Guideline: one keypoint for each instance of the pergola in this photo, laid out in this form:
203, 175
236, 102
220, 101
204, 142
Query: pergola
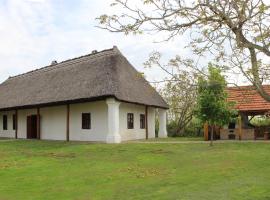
248, 102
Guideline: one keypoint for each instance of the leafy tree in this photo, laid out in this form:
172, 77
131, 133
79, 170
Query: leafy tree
260, 121
178, 89
212, 104
233, 31
181, 97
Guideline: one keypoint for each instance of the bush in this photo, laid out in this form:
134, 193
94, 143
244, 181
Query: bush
260, 121
193, 129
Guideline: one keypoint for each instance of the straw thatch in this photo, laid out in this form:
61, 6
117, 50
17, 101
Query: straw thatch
87, 78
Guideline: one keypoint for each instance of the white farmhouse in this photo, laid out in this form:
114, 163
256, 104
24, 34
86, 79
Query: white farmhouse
97, 97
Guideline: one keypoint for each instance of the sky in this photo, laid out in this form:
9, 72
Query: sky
35, 32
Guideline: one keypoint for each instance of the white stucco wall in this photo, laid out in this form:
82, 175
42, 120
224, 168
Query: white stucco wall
99, 125
53, 123
10, 133
137, 132
22, 121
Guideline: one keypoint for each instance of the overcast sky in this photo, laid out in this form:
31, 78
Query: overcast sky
35, 32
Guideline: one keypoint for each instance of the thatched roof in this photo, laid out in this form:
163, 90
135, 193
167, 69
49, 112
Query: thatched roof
92, 77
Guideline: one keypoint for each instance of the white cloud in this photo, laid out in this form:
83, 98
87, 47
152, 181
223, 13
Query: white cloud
34, 32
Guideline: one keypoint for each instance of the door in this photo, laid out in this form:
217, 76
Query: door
32, 127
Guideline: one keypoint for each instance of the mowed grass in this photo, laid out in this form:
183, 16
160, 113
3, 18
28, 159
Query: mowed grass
172, 139
60, 170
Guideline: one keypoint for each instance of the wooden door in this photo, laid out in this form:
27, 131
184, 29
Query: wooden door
32, 127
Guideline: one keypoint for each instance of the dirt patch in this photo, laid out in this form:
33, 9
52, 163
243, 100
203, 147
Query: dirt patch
49, 154
143, 172
59, 155
161, 151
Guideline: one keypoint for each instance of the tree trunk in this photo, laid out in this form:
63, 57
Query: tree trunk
212, 135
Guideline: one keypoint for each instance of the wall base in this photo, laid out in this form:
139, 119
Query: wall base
113, 139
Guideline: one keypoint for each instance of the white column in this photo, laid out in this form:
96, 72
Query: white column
162, 133
151, 122
113, 121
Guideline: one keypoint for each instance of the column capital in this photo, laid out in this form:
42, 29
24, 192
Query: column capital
112, 101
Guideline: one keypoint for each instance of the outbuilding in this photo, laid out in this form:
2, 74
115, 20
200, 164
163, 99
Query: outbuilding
249, 103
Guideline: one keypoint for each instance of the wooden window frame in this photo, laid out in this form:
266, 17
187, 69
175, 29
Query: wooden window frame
130, 121
5, 122
86, 121
142, 121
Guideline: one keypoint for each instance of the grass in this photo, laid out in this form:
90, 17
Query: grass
60, 170
175, 139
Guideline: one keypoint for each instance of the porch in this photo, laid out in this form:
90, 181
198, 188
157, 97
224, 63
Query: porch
240, 129
249, 104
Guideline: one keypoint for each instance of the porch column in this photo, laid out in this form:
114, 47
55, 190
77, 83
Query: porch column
162, 133
205, 131
240, 127
113, 121
151, 122
146, 122
16, 124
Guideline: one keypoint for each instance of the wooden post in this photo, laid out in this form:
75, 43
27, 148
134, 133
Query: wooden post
16, 124
240, 127
146, 122
38, 123
205, 128
67, 133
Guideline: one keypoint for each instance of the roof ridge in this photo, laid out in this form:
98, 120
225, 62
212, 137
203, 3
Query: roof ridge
69, 61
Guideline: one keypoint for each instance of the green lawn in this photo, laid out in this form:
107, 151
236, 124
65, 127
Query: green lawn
175, 139
60, 170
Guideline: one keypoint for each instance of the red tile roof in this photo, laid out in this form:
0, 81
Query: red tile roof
248, 99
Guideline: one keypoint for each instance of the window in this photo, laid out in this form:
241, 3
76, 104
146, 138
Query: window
130, 120
86, 120
142, 121
5, 122
14, 122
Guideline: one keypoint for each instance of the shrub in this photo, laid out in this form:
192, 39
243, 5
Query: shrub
193, 129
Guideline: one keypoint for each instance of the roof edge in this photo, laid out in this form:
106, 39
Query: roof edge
75, 101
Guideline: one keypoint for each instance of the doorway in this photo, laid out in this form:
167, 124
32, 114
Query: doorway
32, 127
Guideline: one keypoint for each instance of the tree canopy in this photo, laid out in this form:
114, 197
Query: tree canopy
235, 32
181, 96
212, 104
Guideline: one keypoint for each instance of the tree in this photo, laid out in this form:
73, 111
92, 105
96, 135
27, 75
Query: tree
236, 32
181, 96
212, 104
178, 89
